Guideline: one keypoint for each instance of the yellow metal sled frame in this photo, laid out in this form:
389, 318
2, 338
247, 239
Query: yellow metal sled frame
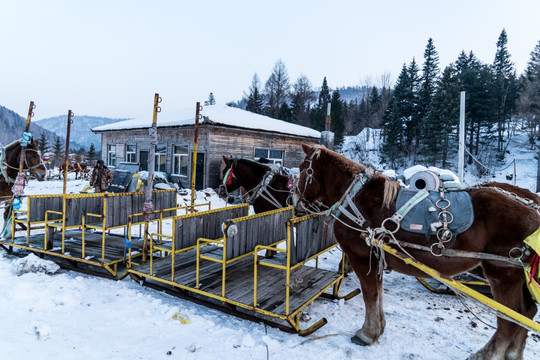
458, 286
57, 220
293, 318
223, 243
290, 317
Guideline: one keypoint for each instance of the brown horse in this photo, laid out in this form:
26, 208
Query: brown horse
266, 188
500, 225
9, 166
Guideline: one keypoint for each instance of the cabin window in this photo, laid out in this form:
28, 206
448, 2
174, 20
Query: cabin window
111, 155
273, 156
180, 160
160, 158
131, 153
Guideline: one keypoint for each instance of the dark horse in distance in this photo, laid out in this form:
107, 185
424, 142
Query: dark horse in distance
9, 165
501, 223
265, 186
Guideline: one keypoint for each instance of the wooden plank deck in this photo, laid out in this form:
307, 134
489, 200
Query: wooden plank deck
114, 245
306, 281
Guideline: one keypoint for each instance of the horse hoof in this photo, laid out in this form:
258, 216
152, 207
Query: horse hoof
356, 340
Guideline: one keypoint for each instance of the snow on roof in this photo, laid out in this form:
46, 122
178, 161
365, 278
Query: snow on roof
215, 114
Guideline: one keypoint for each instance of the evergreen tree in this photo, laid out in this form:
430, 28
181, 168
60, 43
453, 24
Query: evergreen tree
255, 99
58, 150
211, 100
395, 118
411, 108
506, 89
277, 89
318, 113
529, 95
393, 133
337, 116
531, 72
443, 119
91, 153
43, 144
477, 81
302, 96
427, 87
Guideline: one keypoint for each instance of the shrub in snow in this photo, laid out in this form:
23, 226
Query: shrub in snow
32, 263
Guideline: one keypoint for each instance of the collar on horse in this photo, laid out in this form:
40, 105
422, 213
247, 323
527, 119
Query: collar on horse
261, 188
348, 199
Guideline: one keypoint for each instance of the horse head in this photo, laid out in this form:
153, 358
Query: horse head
308, 187
33, 162
230, 181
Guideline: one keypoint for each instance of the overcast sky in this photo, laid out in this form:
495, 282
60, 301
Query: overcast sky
108, 57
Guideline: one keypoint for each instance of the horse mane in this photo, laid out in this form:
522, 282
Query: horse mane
341, 162
391, 190
254, 163
12, 145
352, 168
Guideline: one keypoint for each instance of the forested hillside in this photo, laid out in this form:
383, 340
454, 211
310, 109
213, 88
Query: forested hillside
12, 125
419, 115
80, 129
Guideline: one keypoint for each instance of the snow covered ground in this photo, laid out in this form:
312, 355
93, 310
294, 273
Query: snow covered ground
57, 314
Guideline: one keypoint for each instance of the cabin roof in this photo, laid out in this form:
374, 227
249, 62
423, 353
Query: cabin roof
214, 114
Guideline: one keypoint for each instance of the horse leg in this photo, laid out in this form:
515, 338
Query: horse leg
371, 284
508, 288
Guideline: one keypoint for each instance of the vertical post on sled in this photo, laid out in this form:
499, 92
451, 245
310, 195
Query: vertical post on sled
461, 151
151, 161
194, 157
26, 129
66, 160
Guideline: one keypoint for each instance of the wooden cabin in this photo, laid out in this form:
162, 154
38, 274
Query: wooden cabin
223, 130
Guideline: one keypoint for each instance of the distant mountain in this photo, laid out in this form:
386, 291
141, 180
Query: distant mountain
80, 130
12, 125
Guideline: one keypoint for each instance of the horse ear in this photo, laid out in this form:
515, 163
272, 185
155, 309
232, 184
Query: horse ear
226, 161
306, 148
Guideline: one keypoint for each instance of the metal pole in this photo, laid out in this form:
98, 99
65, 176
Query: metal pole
66, 161
18, 187
328, 118
28, 119
194, 157
461, 151
152, 153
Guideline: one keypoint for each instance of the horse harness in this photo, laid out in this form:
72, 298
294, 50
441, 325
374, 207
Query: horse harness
261, 189
444, 234
4, 165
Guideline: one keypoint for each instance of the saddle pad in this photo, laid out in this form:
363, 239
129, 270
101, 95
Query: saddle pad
424, 217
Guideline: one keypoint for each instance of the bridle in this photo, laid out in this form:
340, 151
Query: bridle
307, 206
259, 190
4, 166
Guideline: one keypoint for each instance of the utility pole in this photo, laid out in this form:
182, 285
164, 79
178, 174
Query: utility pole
327, 137
461, 151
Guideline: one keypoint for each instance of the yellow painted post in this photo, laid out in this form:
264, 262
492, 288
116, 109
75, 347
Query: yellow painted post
194, 157
28, 119
151, 162
69, 121
104, 226
288, 275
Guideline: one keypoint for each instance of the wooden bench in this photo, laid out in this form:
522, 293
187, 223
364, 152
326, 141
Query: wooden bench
106, 212
34, 217
241, 236
187, 229
307, 238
